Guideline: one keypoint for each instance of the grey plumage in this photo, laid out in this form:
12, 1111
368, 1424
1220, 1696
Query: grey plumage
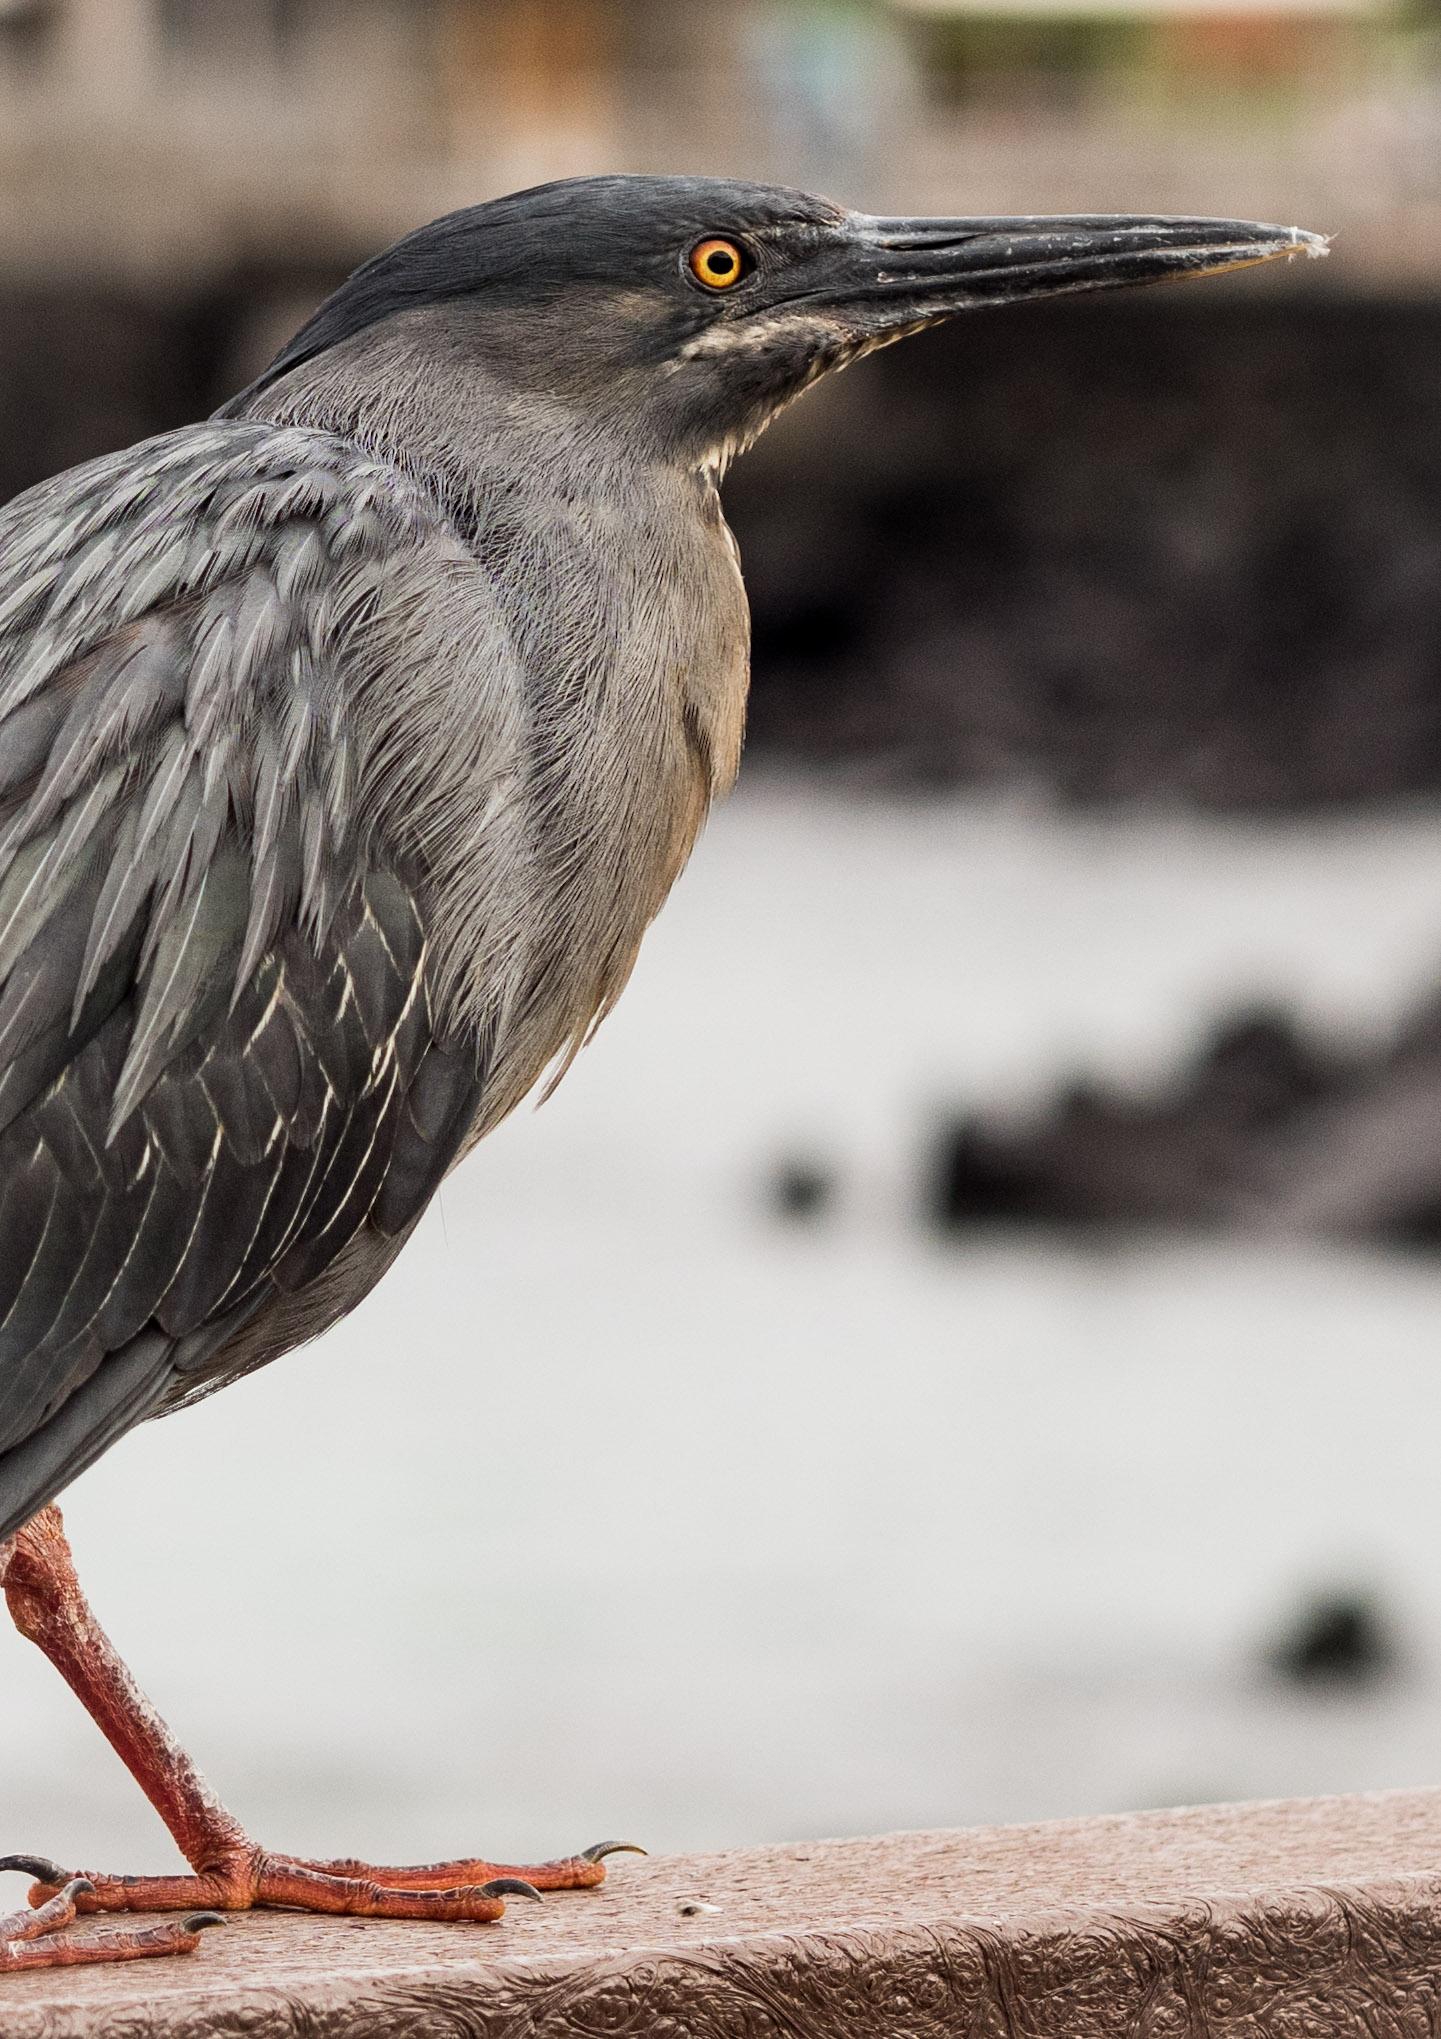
350, 741
219, 1058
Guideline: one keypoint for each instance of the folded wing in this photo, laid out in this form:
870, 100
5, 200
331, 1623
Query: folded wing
218, 1054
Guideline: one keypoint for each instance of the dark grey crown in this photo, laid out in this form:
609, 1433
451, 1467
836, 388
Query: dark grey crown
533, 245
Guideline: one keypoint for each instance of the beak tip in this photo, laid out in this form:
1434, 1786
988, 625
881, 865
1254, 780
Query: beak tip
1312, 246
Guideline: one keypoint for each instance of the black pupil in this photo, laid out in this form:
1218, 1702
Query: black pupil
720, 261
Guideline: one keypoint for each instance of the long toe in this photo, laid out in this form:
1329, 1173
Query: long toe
94, 1892
39, 1938
86, 1950
568, 1872
370, 1894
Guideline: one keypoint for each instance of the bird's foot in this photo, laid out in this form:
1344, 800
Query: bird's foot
468, 1889
38, 1939
229, 1872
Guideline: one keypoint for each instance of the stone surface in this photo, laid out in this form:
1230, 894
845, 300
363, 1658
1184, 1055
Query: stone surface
1266, 1921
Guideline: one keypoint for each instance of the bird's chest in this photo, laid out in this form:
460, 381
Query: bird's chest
596, 681
639, 714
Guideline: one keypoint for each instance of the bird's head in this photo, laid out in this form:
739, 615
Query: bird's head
691, 309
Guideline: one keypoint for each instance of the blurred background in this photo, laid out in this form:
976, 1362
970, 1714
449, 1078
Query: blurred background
963, 1344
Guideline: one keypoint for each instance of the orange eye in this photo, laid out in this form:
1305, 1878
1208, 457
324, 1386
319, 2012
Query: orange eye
717, 264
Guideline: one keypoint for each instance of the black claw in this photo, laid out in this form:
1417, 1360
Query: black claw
201, 1922
78, 1886
36, 1867
601, 1849
511, 1886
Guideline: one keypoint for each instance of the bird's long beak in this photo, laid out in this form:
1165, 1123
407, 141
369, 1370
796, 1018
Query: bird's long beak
914, 271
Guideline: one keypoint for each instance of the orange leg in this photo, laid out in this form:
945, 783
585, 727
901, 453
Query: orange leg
231, 1872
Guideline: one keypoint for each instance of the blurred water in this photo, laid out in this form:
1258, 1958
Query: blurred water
621, 1507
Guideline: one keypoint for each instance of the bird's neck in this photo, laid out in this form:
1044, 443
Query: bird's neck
617, 535
605, 626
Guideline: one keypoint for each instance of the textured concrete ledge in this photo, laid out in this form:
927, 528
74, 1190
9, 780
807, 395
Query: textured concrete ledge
1233, 1922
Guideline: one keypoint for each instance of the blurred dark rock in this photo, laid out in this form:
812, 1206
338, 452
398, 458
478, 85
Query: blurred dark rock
1097, 1161
1264, 1130
1340, 1639
1364, 1162
1260, 1072
1203, 1152
802, 1190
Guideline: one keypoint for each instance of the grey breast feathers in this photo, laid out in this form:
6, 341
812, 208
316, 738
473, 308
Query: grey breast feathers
218, 1054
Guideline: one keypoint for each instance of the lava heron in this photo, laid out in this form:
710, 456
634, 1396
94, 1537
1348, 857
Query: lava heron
349, 742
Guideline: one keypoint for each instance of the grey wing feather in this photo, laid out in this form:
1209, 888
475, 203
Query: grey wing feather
218, 1052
